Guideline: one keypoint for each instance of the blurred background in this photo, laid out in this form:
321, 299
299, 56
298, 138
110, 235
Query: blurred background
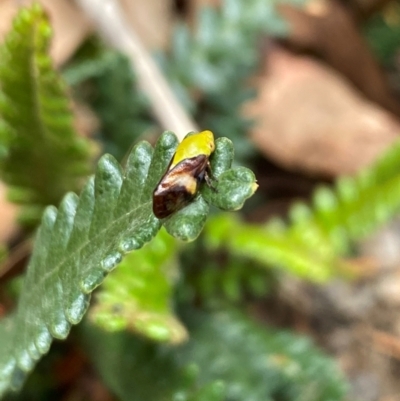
309, 93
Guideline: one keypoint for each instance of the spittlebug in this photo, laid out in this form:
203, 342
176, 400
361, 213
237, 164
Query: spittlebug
188, 168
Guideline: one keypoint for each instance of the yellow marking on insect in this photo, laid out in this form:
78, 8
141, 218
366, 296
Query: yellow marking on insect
188, 182
201, 143
186, 171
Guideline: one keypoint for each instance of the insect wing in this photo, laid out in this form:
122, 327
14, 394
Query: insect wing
179, 186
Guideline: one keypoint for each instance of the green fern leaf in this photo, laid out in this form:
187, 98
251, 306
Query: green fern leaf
77, 246
311, 243
42, 157
354, 207
137, 295
270, 246
226, 351
81, 242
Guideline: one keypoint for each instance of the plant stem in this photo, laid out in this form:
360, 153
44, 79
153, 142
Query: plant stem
109, 20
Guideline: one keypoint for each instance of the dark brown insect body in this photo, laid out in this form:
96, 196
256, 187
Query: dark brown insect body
187, 169
179, 186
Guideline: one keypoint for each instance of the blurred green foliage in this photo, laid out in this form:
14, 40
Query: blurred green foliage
104, 79
138, 295
228, 357
41, 155
214, 275
209, 67
383, 34
81, 242
315, 237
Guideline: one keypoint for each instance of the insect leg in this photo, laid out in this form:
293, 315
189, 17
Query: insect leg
210, 179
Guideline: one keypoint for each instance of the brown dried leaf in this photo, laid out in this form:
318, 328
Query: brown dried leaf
328, 29
70, 25
8, 214
71, 28
7, 11
387, 343
309, 118
151, 20
86, 123
16, 261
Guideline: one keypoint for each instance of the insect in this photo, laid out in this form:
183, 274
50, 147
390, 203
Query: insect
188, 168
